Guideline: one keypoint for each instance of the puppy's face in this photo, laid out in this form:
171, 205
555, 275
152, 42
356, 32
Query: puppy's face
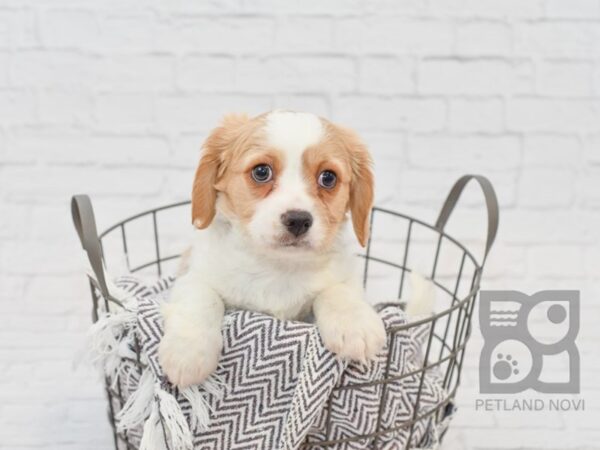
287, 179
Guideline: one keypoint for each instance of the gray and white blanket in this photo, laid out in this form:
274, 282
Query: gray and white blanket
276, 386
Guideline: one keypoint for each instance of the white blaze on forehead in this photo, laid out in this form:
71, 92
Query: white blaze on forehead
293, 132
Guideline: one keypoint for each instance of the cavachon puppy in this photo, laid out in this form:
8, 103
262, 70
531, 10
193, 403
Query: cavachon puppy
270, 201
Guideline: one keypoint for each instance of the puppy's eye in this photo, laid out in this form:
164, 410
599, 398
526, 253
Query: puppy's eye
327, 179
262, 173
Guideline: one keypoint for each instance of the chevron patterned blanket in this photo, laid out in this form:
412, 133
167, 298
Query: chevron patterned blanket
276, 387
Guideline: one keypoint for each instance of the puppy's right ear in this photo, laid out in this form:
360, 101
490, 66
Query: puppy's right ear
212, 166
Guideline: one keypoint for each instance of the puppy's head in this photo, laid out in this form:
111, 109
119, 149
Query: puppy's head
286, 179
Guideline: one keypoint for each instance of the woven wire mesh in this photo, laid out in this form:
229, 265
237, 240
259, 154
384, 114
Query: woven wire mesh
398, 245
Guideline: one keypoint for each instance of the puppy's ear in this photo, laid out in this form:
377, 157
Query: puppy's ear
361, 196
361, 185
212, 166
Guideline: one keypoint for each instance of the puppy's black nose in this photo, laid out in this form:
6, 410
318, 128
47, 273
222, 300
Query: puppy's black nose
296, 221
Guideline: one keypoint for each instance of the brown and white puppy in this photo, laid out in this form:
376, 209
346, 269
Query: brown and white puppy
271, 198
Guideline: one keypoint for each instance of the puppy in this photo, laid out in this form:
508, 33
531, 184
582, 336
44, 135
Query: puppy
272, 196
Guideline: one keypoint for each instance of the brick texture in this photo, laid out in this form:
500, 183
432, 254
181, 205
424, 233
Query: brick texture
114, 98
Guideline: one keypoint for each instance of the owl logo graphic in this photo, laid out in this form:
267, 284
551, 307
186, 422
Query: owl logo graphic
529, 342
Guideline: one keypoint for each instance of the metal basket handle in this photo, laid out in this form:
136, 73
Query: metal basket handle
491, 202
85, 224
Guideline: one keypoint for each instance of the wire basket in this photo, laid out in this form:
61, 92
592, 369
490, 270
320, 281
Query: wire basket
398, 245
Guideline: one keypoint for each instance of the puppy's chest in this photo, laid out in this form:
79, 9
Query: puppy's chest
281, 293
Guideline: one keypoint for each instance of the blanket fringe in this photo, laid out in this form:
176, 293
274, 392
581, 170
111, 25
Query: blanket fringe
214, 385
201, 407
138, 405
166, 423
154, 437
178, 430
104, 340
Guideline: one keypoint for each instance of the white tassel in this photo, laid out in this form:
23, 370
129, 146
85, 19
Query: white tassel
138, 405
153, 436
214, 385
102, 342
201, 407
176, 426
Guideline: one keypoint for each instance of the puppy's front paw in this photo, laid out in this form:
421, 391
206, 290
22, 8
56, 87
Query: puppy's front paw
188, 360
354, 332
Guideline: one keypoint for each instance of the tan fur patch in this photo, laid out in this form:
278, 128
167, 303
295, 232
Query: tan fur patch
343, 152
332, 204
241, 193
224, 145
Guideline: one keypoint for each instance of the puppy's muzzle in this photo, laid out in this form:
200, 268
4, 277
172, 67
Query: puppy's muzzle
297, 222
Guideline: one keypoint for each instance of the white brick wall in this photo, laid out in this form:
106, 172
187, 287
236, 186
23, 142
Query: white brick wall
113, 98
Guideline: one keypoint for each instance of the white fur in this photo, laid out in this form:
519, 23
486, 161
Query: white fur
233, 266
291, 132
422, 299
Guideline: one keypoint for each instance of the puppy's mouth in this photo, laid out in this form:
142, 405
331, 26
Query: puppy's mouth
293, 243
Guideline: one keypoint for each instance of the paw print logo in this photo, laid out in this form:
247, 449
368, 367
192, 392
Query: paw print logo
510, 362
521, 334
505, 367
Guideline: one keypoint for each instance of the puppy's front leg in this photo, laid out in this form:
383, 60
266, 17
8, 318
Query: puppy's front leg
190, 348
349, 326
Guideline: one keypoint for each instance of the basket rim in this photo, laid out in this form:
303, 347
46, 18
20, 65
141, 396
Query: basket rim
456, 303
375, 208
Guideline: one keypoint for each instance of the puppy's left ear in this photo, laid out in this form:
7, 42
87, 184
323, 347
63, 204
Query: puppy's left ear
361, 188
